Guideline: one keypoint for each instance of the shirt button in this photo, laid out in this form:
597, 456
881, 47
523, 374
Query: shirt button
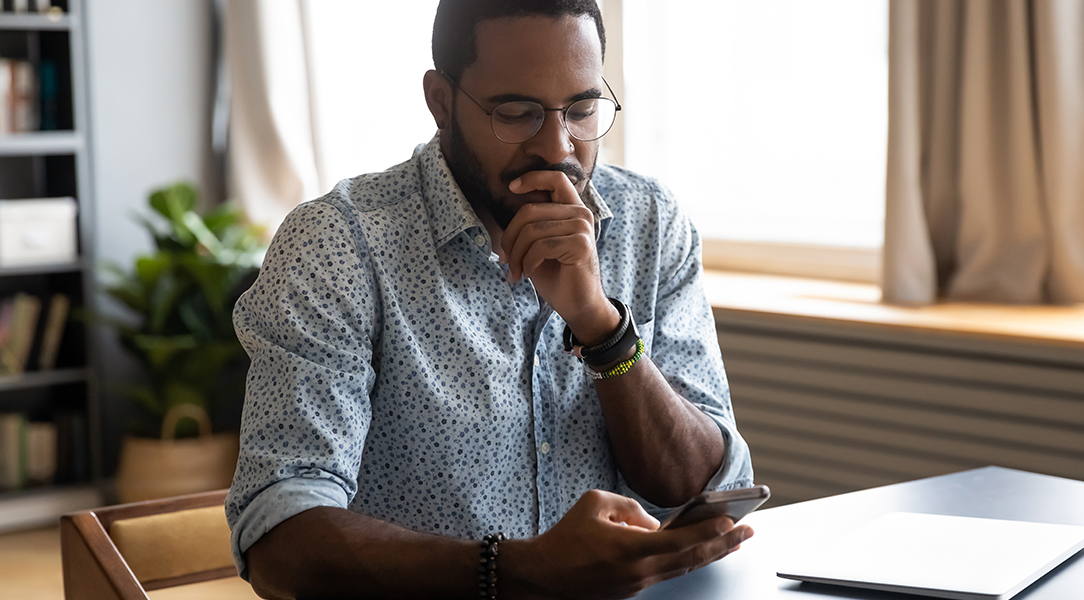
545, 448
537, 360
480, 240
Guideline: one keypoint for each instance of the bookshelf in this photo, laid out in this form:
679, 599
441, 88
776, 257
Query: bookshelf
53, 163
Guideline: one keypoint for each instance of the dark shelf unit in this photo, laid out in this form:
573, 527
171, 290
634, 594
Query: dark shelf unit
46, 164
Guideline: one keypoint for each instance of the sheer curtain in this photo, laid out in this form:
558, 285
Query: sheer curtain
985, 192
321, 91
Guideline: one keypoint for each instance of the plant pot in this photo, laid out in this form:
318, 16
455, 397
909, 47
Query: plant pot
159, 468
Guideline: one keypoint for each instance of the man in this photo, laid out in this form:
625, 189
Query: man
410, 391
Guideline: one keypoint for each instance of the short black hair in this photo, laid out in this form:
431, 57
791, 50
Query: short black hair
454, 44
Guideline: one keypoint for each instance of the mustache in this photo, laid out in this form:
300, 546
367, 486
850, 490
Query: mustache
574, 173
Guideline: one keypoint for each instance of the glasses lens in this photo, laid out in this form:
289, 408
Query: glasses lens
588, 120
516, 122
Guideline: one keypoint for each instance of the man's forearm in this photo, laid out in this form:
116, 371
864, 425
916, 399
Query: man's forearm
666, 448
330, 552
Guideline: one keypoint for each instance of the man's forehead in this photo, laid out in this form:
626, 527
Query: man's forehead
558, 55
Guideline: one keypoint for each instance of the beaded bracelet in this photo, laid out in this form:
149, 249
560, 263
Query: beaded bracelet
487, 566
622, 367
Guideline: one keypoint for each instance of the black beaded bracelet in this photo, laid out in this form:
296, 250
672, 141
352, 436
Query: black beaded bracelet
487, 566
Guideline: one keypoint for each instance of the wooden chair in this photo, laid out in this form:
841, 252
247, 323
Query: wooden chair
121, 552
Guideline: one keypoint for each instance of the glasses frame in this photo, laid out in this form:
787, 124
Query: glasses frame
563, 111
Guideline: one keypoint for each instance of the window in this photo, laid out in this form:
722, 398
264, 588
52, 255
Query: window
366, 63
768, 119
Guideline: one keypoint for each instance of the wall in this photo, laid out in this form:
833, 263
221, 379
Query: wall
150, 87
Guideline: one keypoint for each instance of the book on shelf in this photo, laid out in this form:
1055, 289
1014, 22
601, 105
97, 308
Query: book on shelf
41, 447
13, 451
45, 7
57, 318
18, 326
28, 452
20, 318
18, 96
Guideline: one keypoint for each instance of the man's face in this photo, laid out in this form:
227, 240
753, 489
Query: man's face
549, 61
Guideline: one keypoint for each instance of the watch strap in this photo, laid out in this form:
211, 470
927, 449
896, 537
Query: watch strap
614, 348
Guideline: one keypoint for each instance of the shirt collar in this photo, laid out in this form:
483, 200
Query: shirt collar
449, 211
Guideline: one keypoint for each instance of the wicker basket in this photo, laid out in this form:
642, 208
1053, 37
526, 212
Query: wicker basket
151, 468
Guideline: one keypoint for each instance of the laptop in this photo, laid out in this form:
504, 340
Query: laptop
940, 556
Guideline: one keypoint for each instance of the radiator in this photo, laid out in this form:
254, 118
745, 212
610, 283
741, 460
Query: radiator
829, 407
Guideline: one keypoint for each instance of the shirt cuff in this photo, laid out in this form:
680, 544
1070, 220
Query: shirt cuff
735, 472
275, 504
737, 468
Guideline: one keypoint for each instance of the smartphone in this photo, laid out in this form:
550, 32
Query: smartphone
732, 503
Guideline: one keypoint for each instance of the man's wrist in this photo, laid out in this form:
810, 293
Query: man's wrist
520, 570
596, 325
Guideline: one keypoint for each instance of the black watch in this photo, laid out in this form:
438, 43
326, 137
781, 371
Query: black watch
617, 345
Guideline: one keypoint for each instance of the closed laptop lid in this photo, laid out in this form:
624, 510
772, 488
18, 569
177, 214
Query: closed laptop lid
941, 556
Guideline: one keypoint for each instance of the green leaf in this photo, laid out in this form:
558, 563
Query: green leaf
213, 279
167, 290
173, 201
160, 349
195, 224
223, 218
131, 295
196, 318
209, 363
141, 395
150, 268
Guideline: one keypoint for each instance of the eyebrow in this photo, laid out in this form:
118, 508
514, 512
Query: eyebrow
502, 98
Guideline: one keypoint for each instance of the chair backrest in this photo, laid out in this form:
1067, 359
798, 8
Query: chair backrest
120, 552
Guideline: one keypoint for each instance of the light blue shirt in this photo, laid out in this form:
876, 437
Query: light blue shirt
396, 372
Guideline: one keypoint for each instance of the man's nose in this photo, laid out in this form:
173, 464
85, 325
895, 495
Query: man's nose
552, 143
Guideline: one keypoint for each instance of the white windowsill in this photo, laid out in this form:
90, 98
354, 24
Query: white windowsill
860, 304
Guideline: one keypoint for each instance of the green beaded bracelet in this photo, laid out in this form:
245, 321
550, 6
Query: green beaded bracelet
622, 367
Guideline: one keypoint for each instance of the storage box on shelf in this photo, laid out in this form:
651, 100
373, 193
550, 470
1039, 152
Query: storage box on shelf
49, 461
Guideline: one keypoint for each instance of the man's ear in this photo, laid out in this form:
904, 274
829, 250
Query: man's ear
438, 96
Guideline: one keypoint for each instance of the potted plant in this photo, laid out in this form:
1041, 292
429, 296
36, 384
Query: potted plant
180, 300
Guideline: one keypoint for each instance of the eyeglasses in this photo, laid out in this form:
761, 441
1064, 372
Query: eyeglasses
516, 122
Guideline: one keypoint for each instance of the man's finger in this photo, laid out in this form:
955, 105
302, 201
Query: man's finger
532, 235
534, 213
565, 250
678, 563
622, 509
678, 540
555, 182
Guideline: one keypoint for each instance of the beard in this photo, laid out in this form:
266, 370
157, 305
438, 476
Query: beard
501, 205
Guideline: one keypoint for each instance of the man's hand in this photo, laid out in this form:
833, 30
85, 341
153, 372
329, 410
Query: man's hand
553, 244
607, 546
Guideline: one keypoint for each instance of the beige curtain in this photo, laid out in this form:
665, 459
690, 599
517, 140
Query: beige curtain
985, 191
272, 153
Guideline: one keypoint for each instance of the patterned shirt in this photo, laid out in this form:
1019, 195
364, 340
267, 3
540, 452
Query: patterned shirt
397, 373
